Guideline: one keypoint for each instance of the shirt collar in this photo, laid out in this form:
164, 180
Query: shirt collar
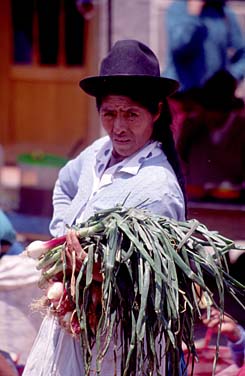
130, 165
133, 163
103, 156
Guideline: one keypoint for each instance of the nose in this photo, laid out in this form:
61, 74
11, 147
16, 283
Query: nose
120, 124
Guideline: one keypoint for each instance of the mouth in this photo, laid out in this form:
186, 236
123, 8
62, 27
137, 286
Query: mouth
121, 140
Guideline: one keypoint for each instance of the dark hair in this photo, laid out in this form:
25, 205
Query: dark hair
162, 131
5, 242
216, 2
218, 5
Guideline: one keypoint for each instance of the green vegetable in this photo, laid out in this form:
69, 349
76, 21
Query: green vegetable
151, 267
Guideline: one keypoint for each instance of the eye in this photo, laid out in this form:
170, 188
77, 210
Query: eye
108, 114
131, 115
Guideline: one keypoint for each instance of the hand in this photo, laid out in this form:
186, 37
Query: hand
74, 247
229, 327
195, 7
5, 367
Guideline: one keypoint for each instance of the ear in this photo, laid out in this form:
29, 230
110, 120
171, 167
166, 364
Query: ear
158, 113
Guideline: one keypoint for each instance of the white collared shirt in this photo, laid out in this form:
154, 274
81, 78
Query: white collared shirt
103, 176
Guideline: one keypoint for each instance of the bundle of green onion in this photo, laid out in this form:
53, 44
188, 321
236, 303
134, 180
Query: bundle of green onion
155, 271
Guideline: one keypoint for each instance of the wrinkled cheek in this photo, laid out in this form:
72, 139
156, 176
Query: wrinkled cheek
107, 125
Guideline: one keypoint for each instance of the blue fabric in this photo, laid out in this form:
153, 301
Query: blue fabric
198, 45
7, 232
16, 249
182, 366
238, 349
11, 222
24, 223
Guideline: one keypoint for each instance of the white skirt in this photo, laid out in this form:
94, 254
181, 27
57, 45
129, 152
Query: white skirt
56, 353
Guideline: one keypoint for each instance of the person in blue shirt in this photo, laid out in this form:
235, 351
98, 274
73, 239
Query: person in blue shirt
203, 37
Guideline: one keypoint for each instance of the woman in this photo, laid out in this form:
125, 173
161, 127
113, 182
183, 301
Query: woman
135, 165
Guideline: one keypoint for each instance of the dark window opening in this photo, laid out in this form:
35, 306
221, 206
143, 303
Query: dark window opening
48, 27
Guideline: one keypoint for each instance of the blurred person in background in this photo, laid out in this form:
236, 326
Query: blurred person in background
234, 333
18, 278
211, 144
203, 37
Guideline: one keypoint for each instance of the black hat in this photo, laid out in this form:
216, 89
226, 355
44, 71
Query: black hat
129, 65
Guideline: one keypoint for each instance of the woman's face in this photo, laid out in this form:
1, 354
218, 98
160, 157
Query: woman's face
128, 124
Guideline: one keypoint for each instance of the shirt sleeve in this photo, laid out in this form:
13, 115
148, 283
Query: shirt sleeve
65, 190
170, 206
237, 45
67, 185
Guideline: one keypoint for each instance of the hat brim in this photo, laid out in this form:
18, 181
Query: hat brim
99, 85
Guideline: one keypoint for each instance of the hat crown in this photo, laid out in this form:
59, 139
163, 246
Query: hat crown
130, 57
129, 66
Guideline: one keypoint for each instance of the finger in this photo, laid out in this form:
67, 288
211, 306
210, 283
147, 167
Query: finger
69, 239
80, 253
74, 240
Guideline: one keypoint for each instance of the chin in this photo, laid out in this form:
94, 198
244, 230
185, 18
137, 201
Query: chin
122, 154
